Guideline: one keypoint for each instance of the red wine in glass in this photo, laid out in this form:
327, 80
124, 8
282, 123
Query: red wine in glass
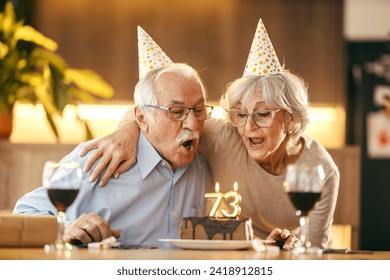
62, 198
62, 181
303, 184
304, 201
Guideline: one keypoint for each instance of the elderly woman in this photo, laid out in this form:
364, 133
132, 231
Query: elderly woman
268, 110
269, 114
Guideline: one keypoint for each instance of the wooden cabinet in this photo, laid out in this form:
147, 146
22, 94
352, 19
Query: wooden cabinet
212, 36
348, 203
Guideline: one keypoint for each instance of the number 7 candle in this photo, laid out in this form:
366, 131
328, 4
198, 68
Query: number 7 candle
218, 196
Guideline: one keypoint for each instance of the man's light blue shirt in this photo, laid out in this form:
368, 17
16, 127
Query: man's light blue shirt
145, 203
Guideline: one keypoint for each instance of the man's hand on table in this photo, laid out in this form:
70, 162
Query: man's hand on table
88, 228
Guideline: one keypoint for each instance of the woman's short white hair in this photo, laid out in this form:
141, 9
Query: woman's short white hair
145, 94
284, 91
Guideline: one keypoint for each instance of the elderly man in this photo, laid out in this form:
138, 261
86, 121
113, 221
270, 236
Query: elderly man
148, 201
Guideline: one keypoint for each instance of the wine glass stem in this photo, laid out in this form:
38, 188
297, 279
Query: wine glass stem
61, 217
304, 232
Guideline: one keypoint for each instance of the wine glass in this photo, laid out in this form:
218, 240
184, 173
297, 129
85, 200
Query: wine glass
62, 180
303, 184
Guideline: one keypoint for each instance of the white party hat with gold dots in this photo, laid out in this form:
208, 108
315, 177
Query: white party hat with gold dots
150, 55
262, 59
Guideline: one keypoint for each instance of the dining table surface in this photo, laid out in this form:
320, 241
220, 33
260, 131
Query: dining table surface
38, 253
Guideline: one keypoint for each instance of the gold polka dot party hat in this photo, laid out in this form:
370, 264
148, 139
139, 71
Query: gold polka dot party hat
262, 59
150, 55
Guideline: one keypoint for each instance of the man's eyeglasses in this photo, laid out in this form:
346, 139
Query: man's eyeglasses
180, 113
262, 118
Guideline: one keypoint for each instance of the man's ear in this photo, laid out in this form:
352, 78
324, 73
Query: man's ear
141, 120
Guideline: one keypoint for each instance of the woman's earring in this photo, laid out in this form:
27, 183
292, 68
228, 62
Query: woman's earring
290, 131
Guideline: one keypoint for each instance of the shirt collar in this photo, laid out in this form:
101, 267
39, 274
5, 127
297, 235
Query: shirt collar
147, 156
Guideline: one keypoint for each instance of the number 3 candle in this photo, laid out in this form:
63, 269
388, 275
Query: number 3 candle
234, 204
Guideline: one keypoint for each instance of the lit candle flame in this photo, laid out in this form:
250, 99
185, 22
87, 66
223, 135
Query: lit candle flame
217, 187
235, 186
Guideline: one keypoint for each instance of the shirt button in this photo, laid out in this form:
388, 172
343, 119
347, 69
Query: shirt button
163, 163
173, 213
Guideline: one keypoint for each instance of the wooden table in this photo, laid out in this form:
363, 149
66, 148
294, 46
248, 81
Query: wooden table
175, 254
35, 263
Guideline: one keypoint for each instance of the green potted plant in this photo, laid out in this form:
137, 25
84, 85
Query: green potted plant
31, 71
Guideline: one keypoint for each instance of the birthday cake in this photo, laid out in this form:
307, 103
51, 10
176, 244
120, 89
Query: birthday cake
224, 221
212, 228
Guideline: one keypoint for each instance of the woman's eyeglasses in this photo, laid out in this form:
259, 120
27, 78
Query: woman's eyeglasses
262, 118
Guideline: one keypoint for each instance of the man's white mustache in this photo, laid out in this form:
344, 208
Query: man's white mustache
186, 135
